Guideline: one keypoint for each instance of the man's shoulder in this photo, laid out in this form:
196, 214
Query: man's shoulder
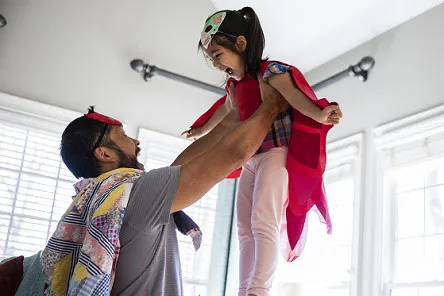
155, 176
152, 196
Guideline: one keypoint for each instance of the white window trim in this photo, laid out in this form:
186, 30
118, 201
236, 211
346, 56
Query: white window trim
344, 150
349, 151
147, 134
46, 117
34, 112
418, 127
409, 129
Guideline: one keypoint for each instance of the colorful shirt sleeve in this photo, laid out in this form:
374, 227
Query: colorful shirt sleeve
273, 69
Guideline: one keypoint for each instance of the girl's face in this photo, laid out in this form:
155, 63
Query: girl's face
226, 60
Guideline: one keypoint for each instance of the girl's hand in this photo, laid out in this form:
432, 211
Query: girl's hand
193, 133
330, 115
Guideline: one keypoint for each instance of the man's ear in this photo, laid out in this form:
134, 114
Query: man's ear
104, 154
241, 43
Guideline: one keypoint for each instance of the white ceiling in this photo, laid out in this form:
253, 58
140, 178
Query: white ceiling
74, 54
308, 33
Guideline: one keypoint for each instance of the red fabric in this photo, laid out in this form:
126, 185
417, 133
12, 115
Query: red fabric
103, 118
305, 162
11, 275
236, 174
205, 117
247, 96
305, 166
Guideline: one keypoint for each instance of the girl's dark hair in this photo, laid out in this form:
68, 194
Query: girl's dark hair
243, 22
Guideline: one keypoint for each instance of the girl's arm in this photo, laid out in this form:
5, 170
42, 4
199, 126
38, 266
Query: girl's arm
214, 120
221, 112
298, 100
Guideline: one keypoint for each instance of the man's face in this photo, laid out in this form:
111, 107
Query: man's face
127, 149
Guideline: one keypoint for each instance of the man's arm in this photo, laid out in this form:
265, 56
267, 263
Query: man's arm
210, 163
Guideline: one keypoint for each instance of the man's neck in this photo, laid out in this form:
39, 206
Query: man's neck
108, 167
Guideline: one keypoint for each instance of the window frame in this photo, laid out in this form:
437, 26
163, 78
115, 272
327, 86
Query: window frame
336, 155
33, 116
411, 130
220, 246
348, 150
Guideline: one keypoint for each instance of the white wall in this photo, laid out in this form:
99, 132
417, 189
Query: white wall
407, 78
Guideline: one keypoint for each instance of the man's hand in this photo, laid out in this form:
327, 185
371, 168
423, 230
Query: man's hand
270, 95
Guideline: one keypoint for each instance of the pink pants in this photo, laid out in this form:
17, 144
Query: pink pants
263, 189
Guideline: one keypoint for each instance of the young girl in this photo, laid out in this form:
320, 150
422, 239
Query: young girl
283, 181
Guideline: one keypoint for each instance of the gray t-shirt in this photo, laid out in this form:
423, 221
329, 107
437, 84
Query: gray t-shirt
149, 262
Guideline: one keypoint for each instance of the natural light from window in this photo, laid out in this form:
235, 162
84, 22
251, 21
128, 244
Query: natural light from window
325, 266
417, 242
35, 189
160, 151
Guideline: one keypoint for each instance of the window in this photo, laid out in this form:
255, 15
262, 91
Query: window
160, 150
412, 166
35, 186
326, 266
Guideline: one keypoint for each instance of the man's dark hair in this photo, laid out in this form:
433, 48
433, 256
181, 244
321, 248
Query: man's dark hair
79, 141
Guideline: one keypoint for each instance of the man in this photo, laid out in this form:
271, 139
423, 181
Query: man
81, 256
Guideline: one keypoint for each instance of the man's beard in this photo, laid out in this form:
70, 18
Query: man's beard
127, 161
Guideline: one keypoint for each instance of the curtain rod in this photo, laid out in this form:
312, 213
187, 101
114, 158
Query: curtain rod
360, 70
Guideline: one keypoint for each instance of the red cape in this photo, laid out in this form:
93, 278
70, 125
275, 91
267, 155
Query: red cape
305, 163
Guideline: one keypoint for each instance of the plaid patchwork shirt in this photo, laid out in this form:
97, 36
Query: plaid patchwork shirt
279, 135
